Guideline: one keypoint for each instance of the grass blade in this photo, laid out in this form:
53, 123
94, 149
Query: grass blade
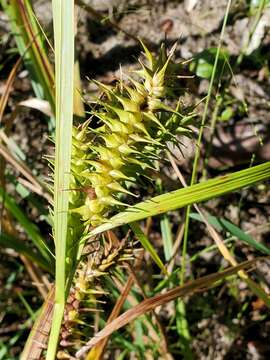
148, 246
166, 233
185, 196
183, 330
30, 228
63, 18
222, 224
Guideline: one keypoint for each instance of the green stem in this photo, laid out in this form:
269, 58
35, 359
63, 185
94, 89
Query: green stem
211, 137
198, 150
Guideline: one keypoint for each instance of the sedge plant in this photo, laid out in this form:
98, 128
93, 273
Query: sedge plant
132, 124
98, 167
97, 164
122, 142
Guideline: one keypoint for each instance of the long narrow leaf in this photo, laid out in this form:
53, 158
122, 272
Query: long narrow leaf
234, 230
147, 245
167, 239
189, 195
63, 18
29, 227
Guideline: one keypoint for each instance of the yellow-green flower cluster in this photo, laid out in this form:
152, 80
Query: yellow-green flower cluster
133, 121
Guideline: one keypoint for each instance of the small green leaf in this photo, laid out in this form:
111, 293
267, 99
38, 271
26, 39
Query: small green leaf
254, 4
203, 62
204, 69
226, 114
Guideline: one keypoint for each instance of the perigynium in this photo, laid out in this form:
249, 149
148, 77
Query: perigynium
132, 123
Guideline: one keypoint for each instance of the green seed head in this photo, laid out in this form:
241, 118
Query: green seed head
134, 120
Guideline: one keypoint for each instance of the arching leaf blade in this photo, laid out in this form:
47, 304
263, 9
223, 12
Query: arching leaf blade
193, 194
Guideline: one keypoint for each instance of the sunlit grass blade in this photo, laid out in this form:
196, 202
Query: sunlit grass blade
78, 106
183, 330
63, 18
166, 233
189, 195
